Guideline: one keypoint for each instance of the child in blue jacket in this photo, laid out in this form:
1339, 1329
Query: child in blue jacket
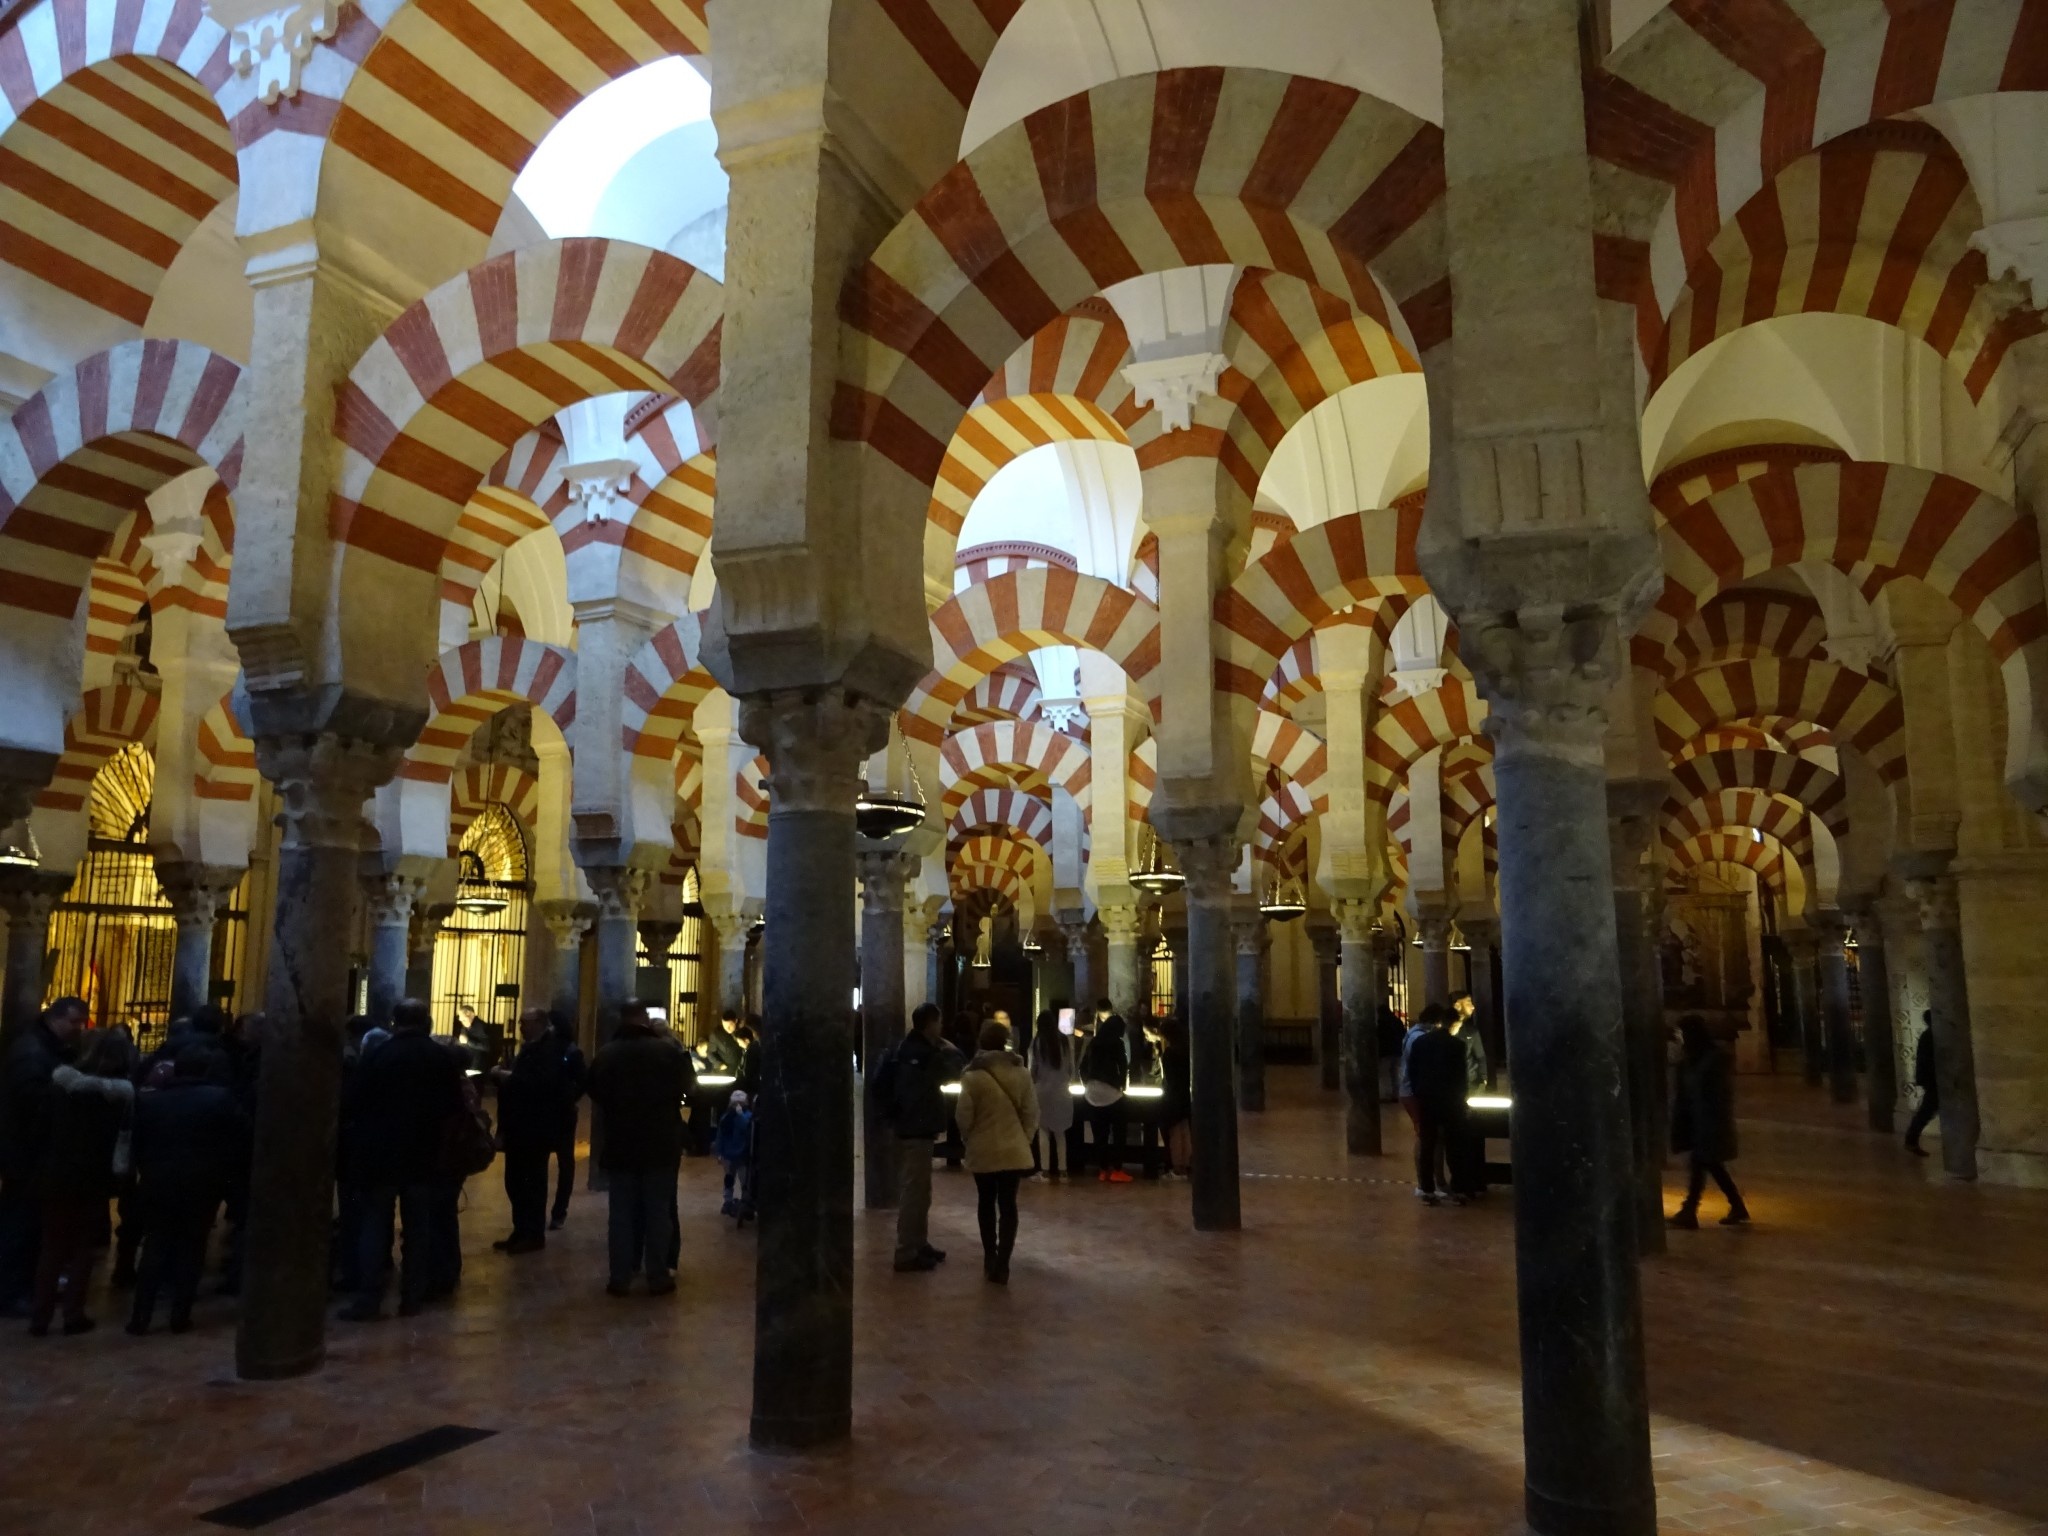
734, 1144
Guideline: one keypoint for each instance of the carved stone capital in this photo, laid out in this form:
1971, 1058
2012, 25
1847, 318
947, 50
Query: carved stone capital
195, 892
618, 889
1357, 921
30, 895
1935, 896
1435, 930
659, 936
322, 781
1327, 940
273, 42
568, 922
1248, 930
1546, 674
1479, 931
425, 928
1209, 860
815, 743
1869, 927
1119, 924
882, 876
389, 899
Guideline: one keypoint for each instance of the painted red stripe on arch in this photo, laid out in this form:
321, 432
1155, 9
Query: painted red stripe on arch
934, 43
959, 216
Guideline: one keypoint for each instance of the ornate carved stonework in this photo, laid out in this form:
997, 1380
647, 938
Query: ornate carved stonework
273, 42
322, 782
1546, 674
815, 743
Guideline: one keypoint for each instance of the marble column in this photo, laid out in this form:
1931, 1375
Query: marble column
568, 922
1120, 928
883, 1014
1837, 1017
321, 783
1585, 1406
420, 941
1633, 810
1948, 1000
1074, 927
938, 961
1207, 847
618, 889
28, 897
389, 900
1802, 951
1880, 1041
1355, 921
803, 1127
195, 893
1435, 930
1323, 937
917, 938
1249, 930
1481, 934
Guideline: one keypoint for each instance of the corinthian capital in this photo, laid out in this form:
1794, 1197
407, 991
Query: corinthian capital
815, 742
322, 780
1546, 673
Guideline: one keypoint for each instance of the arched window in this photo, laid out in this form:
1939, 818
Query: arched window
480, 954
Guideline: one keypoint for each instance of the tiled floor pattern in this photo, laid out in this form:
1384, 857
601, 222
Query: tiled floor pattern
1871, 1357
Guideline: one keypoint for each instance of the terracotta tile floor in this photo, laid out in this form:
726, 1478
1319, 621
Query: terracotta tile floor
1871, 1357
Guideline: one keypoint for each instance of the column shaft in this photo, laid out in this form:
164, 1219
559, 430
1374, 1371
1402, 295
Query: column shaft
883, 1014
29, 898
1813, 1040
1880, 1041
1120, 925
803, 1127
1948, 1000
568, 922
390, 900
1361, 1030
1633, 811
1329, 1010
1839, 1023
1208, 862
1249, 930
1485, 996
1436, 958
322, 782
195, 893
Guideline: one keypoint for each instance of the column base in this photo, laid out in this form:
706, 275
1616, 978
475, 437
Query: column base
304, 1364
1556, 1517
798, 1434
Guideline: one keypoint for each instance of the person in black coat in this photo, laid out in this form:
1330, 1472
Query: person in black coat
639, 1082
187, 1137
536, 1094
1436, 1077
1929, 1084
1703, 1121
75, 1175
26, 1098
403, 1097
576, 1079
915, 1073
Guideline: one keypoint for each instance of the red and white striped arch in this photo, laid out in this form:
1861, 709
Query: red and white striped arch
1746, 810
482, 784
1768, 860
432, 108
1693, 480
1855, 710
476, 681
994, 862
78, 457
1297, 754
750, 798
1799, 781
1361, 559
522, 494
1025, 814
1876, 223
1186, 167
107, 719
993, 435
459, 378
662, 686
1405, 730
665, 538
115, 137
1735, 626
976, 630
1705, 104
226, 759
1062, 760
1011, 692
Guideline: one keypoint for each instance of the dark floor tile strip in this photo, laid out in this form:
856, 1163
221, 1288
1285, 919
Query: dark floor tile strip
302, 1493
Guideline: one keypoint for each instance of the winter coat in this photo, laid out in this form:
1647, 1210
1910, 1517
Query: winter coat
734, 1142
1477, 1069
1923, 1060
1703, 1108
86, 1120
1054, 1086
723, 1050
915, 1075
26, 1099
537, 1100
1436, 1071
1404, 1087
997, 1113
401, 1100
1107, 1062
188, 1137
1176, 1082
639, 1082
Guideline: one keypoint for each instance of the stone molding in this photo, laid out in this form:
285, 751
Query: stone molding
815, 744
883, 873
568, 922
322, 783
618, 889
195, 892
1546, 674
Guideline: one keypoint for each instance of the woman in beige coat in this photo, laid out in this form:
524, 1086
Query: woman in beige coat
997, 1116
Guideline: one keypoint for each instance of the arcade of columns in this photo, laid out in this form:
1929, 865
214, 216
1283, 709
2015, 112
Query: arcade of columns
1533, 699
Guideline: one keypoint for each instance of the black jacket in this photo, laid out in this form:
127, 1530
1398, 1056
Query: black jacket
77, 1158
1176, 1101
1436, 1072
538, 1100
1703, 1108
404, 1093
918, 1072
188, 1137
26, 1099
1923, 1059
1478, 1072
723, 1050
639, 1081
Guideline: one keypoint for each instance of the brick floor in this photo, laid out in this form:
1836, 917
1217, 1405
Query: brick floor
1871, 1357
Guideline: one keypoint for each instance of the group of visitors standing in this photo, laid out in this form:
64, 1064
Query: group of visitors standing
88, 1123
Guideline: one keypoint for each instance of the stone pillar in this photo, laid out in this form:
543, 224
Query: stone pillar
1480, 933
1802, 948
1585, 1407
618, 889
1207, 848
1948, 1000
658, 937
1249, 929
195, 893
389, 899
568, 922
1074, 927
420, 940
917, 939
1633, 809
732, 960
1880, 1042
28, 897
1361, 1028
321, 782
1120, 928
1329, 1009
803, 1290
1838, 1021
938, 952
1435, 929
883, 1014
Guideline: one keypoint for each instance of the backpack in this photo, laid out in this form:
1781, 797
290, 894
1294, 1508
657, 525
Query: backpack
468, 1145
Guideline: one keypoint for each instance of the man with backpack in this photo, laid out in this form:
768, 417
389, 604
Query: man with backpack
913, 1089
405, 1097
